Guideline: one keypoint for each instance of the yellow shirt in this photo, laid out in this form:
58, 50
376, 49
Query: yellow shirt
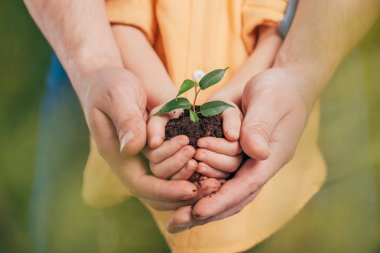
209, 34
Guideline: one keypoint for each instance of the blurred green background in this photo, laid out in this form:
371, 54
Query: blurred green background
24, 60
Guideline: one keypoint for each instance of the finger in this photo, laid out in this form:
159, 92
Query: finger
136, 179
253, 174
182, 219
218, 161
187, 171
232, 118
220, 145
127, 116
208, 171
166, 150
173, 164
208, 187
156, 130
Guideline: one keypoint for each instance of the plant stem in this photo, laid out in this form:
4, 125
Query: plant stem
195, 97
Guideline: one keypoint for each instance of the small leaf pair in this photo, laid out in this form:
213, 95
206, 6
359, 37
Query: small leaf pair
207, 109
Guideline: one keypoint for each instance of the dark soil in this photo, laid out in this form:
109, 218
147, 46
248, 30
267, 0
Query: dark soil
207, 126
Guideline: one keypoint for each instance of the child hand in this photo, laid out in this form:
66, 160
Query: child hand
171, 159
174, 158
218, 157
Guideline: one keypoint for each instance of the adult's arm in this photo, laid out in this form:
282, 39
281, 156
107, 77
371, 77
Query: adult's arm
112, 98
323, 32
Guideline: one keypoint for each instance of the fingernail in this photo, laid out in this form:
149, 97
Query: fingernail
232, 133
202, 143
155, 141
184, 140
201, 156
260, 140
125, 139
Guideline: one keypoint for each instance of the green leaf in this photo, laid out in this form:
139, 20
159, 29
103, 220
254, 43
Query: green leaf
193, 116
214, 108
177, 103
186, 85
212, 78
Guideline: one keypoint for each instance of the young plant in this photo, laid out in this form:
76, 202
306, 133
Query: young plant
207, 109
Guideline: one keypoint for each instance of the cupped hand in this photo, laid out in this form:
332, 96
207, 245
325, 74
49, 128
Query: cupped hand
114, 106
275, 116
174, 159
219, 157
171, 159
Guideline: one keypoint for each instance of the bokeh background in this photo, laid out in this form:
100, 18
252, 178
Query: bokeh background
350, 131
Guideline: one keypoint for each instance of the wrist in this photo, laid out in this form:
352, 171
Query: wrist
81, 67
307, 82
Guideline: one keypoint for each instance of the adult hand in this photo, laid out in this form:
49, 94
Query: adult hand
114, 105
219, 157
275, 115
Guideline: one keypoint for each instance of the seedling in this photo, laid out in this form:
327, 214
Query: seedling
207, 109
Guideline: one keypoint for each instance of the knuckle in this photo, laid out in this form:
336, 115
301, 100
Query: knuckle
255, 185
113, 92
231, 168
180, 161
188, 151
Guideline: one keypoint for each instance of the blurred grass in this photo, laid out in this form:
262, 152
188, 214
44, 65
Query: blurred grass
24, 59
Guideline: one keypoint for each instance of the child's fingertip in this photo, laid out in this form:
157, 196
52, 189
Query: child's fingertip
232, 134
202, 143
155, 142
185, 140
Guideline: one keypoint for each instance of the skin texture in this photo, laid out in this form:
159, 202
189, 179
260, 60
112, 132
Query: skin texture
309, 56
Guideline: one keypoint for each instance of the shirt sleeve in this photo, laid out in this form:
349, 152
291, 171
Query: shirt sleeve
260, 12
137, 13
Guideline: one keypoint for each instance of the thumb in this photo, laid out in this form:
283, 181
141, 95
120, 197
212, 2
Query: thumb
260, 120
129, 119
131, 131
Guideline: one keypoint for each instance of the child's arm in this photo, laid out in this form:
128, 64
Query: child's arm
140, 58
262, 58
